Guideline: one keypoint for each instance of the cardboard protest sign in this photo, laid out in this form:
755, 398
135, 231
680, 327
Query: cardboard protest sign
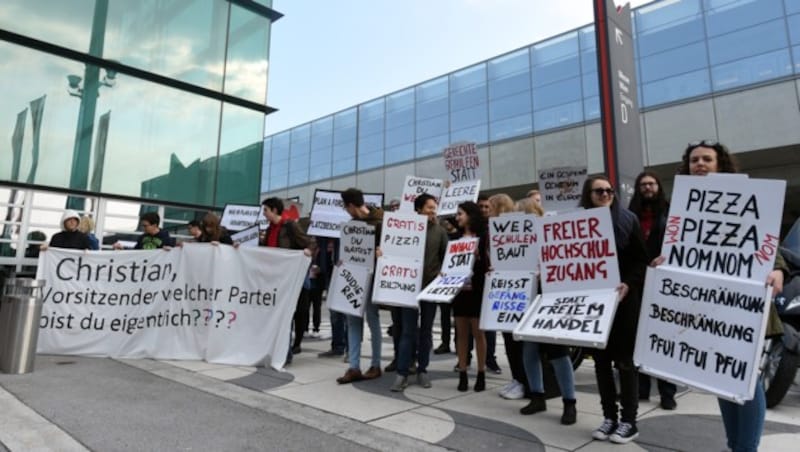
397, 281
236, 217
247, 237
512, 242
404, 235
702, 330
415, 186
457, 193
506, 297
328, 214
561, 187
348, 289
357, 244
726, 225
577, 317
578, 248
461, 162
456, 271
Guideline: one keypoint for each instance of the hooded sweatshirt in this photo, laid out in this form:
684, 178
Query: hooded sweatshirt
74, 239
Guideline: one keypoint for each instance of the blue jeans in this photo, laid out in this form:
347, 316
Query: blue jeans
744, 423
407, 346
338, 331
425, 344
355, 333
562, 367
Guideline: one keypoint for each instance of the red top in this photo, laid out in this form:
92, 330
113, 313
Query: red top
273, 232
647, 219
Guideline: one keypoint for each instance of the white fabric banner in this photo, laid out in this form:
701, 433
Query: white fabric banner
506, 297
415, 186
200, 301
348, 289
581, 318
702, 330
398, 280
512, 242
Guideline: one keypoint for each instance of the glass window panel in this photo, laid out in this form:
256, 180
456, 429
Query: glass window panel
344, 127
400, 108
507, 107
586, 38
467, 78
468, 117
400, 153
793, 23
478, 134
751, 41
672, 62
344, 150
370, 160
724, 16
344, 166
67, 24
555, 49
511, 127
279, 174
557, 93
400, 135
280, 145
468, 97
675, 88
248, 49
589, 62
298, 177
591, 108
666, 25
370, 117
298, 162
239, 155
301, 138
345, 118
560, 116
320, 172
507, 65
371, 143
591, 86
792, 6
432, 146
432, 90
519, 83
433, 108
322, 133
796, 54
433, 126
555, 71
751, 70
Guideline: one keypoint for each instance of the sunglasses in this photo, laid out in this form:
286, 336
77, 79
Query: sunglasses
704, 143
603, 191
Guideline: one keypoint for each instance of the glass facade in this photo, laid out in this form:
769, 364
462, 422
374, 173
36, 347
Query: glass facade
153, 99
685, 49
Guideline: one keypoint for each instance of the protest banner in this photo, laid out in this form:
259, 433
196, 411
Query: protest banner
724, 224
349, 289
357, 244
578, 248
577, 317
398, 280
199, 301
506, 296
403, 235
561, 187
456, 271
512, 242
457, 193
328, 214
415, 186
461, 162
246, 237
236, 217
702, 330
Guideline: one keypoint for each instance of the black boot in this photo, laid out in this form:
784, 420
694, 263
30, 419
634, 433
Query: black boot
463, 383
480, 382
570, 415
537, 404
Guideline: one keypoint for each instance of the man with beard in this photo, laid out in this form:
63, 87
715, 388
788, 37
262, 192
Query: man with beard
650, 204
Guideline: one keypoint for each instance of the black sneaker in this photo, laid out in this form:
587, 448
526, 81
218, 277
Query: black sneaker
330, 354
492, 366
668, 403
605, 430
441, 349
391, 367
625, 433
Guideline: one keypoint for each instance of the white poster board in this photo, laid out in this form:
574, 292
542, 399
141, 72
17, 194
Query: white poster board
461, 161
403, 235
415, 186
703, 331
456, 271
723, 224
357, 244
328, 214
444, 288
578, 248
512, 242
506, 296
561, 187
457, 193
246, 237
579, 317
348, 289
236, 217
398, 280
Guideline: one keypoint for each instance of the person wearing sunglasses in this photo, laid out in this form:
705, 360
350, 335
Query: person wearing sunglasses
743, 423
619, 427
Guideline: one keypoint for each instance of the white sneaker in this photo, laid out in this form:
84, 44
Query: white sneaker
507, 388
516, 392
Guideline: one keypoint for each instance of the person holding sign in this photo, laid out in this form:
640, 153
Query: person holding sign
743, 423
213, 232
467, 304
632, 257
650, 205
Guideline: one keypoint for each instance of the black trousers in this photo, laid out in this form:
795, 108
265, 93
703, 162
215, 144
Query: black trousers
300, 317
628, 382
514, 354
